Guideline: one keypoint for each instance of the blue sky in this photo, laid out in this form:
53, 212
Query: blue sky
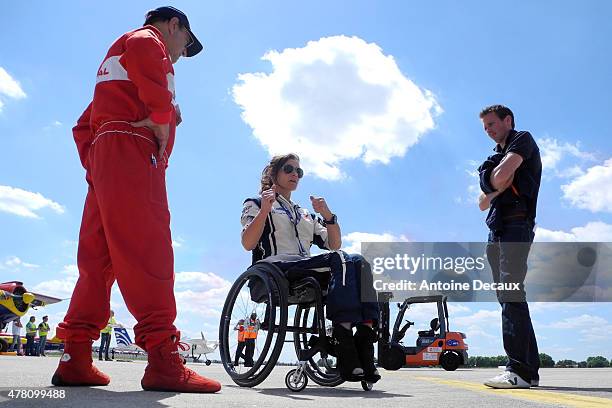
381, 99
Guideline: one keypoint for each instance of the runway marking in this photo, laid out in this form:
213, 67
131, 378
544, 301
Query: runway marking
570, 400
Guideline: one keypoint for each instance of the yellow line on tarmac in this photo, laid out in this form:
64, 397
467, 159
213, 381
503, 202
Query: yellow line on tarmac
547, 397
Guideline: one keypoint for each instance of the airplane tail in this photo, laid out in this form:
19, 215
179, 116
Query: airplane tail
122, 337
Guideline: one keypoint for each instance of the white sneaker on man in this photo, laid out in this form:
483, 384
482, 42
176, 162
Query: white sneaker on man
507, 379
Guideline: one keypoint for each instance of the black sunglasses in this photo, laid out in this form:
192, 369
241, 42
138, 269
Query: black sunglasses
288, 168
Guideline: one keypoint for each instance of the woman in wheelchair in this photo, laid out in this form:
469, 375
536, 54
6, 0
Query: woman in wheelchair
279, 231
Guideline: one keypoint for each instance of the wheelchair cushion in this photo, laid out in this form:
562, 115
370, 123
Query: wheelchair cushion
258, 290
288, 281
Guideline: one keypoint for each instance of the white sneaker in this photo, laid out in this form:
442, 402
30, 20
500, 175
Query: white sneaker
507, 379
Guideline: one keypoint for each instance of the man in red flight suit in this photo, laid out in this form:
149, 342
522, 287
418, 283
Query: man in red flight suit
124, 139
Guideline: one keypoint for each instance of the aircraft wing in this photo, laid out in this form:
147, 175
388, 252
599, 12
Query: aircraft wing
44, 300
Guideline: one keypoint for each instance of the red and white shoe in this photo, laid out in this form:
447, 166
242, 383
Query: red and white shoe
166, 371
76, 367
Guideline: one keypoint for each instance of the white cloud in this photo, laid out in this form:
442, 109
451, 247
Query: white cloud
352, 241
200, 293
537, 307
61, 288
578, 322
554, 152
571, 172
72, 271
199, 280
15, 263
482, 329
591, 191
473, 189
456, 308
178, 242
53, 124
483, 316
586, 328
25, 203
340, 92
56, 288
596, 231
9, 87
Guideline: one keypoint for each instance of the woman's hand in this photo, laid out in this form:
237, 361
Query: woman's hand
267, 199
320, 206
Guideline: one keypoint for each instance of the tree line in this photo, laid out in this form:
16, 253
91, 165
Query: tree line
546, 361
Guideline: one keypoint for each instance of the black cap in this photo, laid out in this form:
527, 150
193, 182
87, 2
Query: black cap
169, 12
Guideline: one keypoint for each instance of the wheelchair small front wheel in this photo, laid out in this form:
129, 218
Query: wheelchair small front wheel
367, 386
295, 381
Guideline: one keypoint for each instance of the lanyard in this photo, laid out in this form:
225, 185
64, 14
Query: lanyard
295, 222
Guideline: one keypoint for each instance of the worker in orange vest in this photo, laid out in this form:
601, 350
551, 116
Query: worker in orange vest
240, 329
250, 335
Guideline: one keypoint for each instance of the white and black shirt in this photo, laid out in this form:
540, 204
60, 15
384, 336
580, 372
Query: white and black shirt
289, 229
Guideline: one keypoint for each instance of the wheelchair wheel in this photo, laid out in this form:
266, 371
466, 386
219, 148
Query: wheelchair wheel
267, 346
321, 368
295, 382
367, 386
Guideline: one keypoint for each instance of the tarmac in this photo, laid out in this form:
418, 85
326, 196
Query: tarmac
409, 387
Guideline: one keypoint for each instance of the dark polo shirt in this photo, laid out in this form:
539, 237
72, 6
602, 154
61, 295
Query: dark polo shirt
526, 180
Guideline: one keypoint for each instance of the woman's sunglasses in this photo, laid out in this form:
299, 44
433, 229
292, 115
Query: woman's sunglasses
288, 168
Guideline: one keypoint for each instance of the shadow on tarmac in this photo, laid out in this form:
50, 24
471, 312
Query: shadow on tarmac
309, 394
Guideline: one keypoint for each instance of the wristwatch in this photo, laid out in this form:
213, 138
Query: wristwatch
333, 220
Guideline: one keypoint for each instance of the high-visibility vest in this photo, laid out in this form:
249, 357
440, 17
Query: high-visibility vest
43, 329
250, 331
241, 334
109, 326
31, 328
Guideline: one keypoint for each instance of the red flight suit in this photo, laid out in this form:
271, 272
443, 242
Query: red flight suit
125, 230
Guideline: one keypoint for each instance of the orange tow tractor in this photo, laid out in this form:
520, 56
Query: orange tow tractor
436, 346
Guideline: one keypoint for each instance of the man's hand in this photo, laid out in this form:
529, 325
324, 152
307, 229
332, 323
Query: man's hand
267, 199
320, 207
161, 132
484, 200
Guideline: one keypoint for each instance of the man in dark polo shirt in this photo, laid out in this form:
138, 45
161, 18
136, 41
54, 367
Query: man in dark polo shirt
510, 181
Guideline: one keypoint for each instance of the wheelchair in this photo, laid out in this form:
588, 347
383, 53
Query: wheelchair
273, 295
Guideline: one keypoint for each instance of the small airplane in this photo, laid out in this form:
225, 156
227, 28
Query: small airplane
15, 301
199, 347
124, 342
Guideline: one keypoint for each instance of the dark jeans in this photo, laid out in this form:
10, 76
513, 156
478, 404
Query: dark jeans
239, 351
507, 253
105, 339
30, 345
42, 342
346, 303
250, 352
